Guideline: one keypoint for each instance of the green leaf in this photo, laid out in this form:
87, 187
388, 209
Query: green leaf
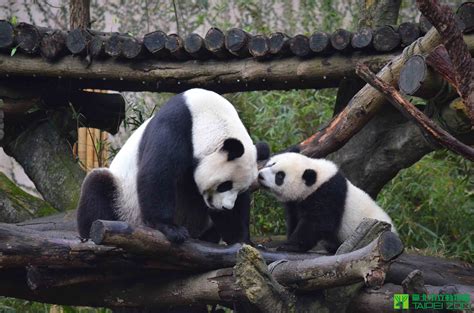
12, 53
14, 20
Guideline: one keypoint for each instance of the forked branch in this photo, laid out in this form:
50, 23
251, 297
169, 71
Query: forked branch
410, 111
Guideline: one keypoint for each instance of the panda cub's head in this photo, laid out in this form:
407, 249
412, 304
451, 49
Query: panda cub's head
293, 177
229, 171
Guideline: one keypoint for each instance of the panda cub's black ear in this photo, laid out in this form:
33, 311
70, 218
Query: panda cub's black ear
309, 177
263, 151
234, 148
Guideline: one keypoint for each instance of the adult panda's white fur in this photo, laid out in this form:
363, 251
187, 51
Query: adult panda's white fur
316, 195
190, 163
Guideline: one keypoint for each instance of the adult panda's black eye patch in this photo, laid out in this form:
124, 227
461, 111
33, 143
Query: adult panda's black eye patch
309, 177
279, 178
225, 186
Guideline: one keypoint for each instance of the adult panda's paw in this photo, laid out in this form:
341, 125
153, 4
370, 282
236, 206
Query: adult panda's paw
174, 233
289, 247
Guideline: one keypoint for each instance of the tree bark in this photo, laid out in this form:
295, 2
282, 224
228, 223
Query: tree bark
79, 16
378, 13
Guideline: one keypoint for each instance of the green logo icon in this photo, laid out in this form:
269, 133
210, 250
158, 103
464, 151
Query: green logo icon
400, 301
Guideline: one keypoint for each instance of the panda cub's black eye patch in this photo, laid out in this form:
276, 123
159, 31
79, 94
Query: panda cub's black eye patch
279, 178
225, 186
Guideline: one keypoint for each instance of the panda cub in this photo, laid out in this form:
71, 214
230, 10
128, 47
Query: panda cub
320, 203
185, 171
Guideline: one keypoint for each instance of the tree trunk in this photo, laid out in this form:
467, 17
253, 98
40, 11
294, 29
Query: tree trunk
79, 13
47, 158
17, 205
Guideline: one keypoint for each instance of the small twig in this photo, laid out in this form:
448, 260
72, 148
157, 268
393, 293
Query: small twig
442, 18
411, 112
178, 30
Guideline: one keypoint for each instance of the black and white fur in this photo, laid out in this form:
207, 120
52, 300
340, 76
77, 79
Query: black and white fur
320, 203
185, 171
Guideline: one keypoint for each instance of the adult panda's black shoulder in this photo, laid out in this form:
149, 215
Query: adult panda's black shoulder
320, 202
185, 171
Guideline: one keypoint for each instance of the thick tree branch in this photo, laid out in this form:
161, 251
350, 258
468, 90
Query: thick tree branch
436, 132
364, 104
442, 18
46, 156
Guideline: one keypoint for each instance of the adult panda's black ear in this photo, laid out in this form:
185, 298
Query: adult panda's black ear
294, 148
234, 148
263, 151
309, 177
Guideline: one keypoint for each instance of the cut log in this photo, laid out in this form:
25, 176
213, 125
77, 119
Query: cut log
437, 271
320, 42
338, 299
299, 46
196, 47
132, 48
409, 32
236, 42
279, 44
259, 286
465, 16
416, 79
176, 47
341, 40
259, 46
362, 39
97, 47
113, 45
409, 110
372, 261
212, 287
53, 44
284, 73
215, 43
7, 35
192, 254
77, 41
155, 44
28, 37
386, 38
414, 283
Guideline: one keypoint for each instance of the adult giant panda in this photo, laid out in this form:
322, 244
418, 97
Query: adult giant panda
320, 203
185, 171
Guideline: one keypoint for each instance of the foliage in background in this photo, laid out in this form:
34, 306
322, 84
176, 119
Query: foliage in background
432, 202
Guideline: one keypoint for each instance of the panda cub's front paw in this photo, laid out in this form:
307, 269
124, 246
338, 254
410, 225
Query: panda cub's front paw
174, 233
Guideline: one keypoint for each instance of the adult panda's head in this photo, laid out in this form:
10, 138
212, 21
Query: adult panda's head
222, 175
293, 177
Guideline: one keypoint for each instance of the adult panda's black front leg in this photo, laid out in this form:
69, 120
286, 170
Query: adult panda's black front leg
158, 174
233, 225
